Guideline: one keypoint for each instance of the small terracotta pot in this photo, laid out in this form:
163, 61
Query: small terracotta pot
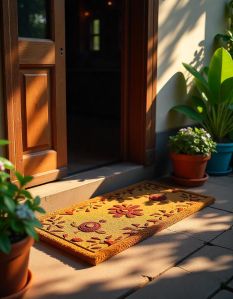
189, 166
14, 267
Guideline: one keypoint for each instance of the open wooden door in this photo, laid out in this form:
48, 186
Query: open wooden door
34, 37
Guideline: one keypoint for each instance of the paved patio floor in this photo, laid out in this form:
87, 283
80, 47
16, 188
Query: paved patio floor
191, 259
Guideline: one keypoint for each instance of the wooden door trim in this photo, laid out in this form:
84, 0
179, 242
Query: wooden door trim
11, 88
60, 86
139, 68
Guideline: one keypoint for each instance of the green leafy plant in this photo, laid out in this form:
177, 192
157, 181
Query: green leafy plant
213, 107
17, 207
192, 141
226, 40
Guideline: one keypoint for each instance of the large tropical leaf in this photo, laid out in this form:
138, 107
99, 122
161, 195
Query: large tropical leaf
197, 75
226, 91
220, 69
199, 104
189, 112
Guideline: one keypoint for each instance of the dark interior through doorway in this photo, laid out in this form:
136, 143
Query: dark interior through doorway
93, 64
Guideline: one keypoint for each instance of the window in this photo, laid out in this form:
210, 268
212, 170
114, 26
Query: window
95, 35
33, 18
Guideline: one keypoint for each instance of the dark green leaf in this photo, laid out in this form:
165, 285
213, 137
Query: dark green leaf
17, 226
5, 244
23, 180
31, 231
10, 204
40, 210
26, 194
37, 200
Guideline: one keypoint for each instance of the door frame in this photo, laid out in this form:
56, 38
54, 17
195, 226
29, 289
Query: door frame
138, 79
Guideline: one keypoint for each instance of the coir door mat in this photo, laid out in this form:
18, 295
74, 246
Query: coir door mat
96, 229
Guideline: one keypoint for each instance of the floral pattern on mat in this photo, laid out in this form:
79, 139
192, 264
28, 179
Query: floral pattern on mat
104, 221
129, 211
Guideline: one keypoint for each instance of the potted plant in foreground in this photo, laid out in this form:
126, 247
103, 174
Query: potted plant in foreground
190, 149
213, 107
17, 229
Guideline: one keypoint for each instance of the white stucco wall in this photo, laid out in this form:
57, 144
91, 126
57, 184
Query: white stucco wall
185, 34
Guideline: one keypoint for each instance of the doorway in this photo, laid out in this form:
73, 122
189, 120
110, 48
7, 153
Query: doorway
93, 73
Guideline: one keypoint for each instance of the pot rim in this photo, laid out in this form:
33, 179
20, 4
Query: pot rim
188, 156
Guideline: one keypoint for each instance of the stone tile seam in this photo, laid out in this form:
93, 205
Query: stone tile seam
135, 289
223, 286
191, 235
153, 278
216, 208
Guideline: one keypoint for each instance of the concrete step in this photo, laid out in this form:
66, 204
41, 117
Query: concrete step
85, 185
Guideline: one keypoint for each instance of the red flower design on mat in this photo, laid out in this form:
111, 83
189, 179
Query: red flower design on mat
130, 211
158, 197
89, 226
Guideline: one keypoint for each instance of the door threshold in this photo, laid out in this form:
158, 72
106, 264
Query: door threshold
85, 185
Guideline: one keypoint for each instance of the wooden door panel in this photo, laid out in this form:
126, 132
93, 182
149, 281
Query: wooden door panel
39, 163
34, 52
36, 110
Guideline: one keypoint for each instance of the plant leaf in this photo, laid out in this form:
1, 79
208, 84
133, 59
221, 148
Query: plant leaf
3, 142
199, 78
189, 112
23, 180
10, 204
5, 244
226, 91
7, 164
220, 69
31, 231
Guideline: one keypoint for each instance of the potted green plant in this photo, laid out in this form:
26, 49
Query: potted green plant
226, 40
17, 229
212, 108
190, 149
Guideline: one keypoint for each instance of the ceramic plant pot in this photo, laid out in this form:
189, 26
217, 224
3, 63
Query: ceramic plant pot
189, 166
14, 268
219, 163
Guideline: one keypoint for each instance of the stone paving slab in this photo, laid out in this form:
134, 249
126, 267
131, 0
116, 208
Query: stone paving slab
222, 193
225, 240
221, 180
162, 251
176, 283
230, 284
68, 278
58, 276
205, 225
223, 295
211, 262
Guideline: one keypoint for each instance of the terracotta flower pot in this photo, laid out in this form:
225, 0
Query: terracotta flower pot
189, 166
14, 267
